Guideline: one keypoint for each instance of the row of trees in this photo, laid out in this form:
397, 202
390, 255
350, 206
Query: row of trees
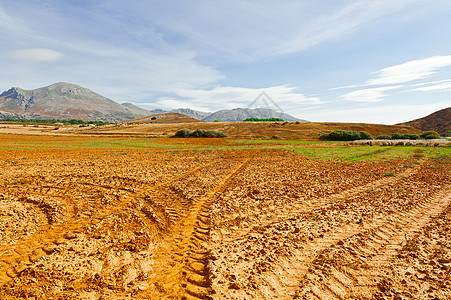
53, 121
199, 133
349, 135
263, 120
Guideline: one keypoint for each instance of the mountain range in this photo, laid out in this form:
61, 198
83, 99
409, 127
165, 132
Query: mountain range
65, 101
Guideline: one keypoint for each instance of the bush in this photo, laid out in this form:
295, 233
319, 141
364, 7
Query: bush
398, 136
199, 133
217, 120
384, 137
429, 135
183, 133
365, 135
409, 136
345, 135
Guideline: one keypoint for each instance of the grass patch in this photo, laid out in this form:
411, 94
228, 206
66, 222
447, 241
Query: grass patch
352, 153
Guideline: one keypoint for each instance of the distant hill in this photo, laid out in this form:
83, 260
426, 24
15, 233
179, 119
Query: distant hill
200, 115
439, 121
240, 114
66, 101
170, 117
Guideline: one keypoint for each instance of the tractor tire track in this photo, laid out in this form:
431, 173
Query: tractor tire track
16, 258
327, 201
283, 280
369, 252
184, 261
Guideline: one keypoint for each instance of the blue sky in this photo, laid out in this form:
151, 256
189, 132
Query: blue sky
374, 61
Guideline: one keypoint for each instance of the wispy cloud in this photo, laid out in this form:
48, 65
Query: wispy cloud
432, 82
340, 22
435, 87
369, 95
36, 54
410, 71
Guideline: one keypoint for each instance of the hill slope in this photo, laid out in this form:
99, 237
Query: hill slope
65, 101
439, 121
170, 117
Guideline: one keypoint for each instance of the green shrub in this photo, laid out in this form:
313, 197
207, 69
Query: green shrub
345, 135
396, 136
365, 135
199, 133
409, 136
216, 120
384, 137
183, 133
220, 134
429, 135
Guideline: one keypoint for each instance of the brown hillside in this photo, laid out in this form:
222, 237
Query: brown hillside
163, 118
439, 121
286, 130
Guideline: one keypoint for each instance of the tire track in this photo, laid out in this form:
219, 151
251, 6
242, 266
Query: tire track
327, 201
367, 253
184, 257
283, 281
16, 258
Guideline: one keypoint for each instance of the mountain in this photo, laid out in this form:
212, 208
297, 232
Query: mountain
240, 114
439, 121
158, 111
66, 101
200, 115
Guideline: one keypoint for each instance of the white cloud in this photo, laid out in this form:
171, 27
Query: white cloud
411, 70
36, 54
436, 87
431, 82
345, 87
333, 24
368, 95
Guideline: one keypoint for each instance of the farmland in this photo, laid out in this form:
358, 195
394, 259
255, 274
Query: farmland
112, 217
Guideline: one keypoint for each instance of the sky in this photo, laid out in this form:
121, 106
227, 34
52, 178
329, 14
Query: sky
371, 61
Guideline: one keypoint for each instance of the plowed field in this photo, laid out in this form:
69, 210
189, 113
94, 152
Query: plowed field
84, 218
